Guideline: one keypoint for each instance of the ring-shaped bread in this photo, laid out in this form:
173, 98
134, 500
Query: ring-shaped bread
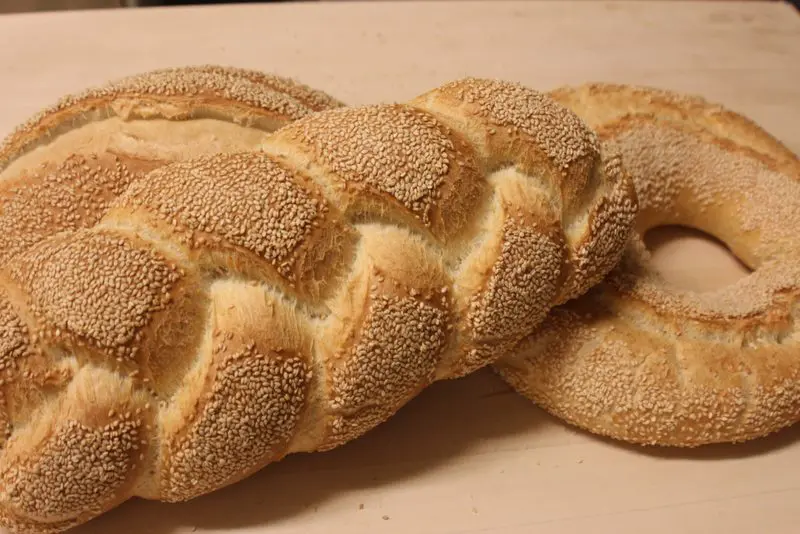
640, 360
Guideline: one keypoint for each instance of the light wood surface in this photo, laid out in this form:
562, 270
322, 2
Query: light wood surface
467, 456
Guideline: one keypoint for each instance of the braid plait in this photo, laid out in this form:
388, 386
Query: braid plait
229, 309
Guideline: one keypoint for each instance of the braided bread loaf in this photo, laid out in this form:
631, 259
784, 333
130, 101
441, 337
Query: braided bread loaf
238, 307
640, 360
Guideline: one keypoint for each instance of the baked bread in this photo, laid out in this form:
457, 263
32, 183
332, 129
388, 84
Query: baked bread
232, 309
639, 360
61, 169
75, 156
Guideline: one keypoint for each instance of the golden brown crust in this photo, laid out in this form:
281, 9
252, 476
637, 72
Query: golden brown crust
247, 418
638, 360
602, 104
291, 299
313, 99
396, 154
513, 131
233, 94
233, 210
58, 197
61, 169
78, 284
393, 356
15, 342
78, 456
60, 173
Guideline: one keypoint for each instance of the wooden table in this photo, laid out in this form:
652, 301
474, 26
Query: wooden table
467, 455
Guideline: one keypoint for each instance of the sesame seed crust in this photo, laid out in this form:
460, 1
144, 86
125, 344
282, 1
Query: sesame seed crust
523, 283
75, 458
247, 200
61, 197
610, 102
185, 92
95, 288
395, 356
509, 122
385, 336
76, 471
609, 222
244, 422
292, 298
395, 135
517, 132
638, 360
395, 153
308, 96
15, 342
514, 107
60, 170
6, 428
25, 526
519, 292
87, 294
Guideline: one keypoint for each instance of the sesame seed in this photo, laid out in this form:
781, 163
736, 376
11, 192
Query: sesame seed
607, 229
120, 273
58, 198
89, 286
77, 470
247, 200
261, 93
521, 287
245, 422
639, 360
397, 354
393, 151
66, 193
15, 342
561, 134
